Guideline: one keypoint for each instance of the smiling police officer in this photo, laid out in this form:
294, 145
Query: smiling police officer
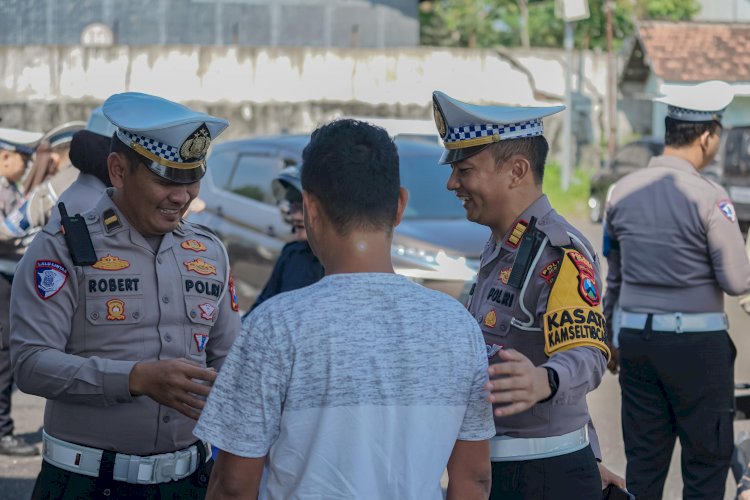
117, 324
536, 299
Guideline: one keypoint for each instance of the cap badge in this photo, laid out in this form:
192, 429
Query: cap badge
111, 263
194, 245
200, 266
196, 146
115, 310
439, 120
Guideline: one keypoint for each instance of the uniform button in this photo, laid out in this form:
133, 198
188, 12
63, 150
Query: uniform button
94, 315
136, 315
165, 419
91, 217
165, 299
106, 492
480, 318
504, 325
168, 338
192, 314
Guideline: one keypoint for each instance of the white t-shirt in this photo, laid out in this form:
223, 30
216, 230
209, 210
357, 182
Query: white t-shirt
355, 387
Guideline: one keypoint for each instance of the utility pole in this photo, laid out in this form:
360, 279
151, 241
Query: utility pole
611, 94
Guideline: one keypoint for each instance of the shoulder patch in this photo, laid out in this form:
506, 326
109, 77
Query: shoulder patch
50, 276
233, 295
727, 210
574, 316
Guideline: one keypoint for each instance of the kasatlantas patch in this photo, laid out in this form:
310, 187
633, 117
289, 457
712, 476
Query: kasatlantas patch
587, 288
233, 295
207, 311
111, 263
194, 245
550, 271
200, 341
50, 277
727, 209
200, 266
115, 310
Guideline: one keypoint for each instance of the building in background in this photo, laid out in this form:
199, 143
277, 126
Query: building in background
736, 11
282, 23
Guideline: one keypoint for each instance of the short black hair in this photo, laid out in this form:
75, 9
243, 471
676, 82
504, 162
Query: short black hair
352, 167
680, 133
117, 146
534, 149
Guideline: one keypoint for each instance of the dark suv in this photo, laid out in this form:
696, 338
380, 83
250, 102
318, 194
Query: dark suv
434, 244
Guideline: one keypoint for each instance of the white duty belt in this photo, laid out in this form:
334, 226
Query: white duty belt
676, 322
509, 449
154, 469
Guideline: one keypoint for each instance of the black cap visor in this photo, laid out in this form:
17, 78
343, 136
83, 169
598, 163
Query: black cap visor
454, 155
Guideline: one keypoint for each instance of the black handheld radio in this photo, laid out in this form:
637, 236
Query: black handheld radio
77, 238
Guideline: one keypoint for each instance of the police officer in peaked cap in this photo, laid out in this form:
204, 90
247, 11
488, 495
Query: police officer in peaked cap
134, 312
674, 249
536, 299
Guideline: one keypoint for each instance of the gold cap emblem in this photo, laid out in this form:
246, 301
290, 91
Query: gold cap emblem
439, 120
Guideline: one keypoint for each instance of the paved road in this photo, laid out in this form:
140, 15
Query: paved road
17, 474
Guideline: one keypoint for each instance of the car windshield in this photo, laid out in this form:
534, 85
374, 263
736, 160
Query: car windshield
428, 196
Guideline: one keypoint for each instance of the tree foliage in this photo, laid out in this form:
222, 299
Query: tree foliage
490, 23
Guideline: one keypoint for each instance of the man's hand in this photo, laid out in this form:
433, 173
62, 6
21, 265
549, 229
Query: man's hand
516, 382
173, 383
609, 477
613, 364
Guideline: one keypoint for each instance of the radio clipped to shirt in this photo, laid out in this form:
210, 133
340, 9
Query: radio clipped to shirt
77, 238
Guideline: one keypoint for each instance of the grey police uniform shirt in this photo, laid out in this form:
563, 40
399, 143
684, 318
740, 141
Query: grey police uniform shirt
10, 197
77, 332
674, 242
515, 318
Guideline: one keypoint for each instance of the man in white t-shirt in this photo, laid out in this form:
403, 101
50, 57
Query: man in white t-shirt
326, 385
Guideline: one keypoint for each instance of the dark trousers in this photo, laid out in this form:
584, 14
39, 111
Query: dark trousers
54, 483
6, 373
574, 476
677, 385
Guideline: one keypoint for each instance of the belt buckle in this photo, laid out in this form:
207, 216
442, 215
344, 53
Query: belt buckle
164, 467
678, 322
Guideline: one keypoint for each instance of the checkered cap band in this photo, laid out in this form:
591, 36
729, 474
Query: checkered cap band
693, 115
508, 131
160, 149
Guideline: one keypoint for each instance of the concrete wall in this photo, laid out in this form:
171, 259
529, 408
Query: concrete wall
266, 90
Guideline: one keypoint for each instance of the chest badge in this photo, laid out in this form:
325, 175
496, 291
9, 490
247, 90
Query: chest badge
111, 263
194, 245
207, 311
200, 341
492, 350
200, 266
550, 271
115, 310
490, 319
504, 275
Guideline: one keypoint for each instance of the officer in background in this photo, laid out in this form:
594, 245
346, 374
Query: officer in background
79, 188
16, 148
675, 248
119, 340
536, 299
297, 266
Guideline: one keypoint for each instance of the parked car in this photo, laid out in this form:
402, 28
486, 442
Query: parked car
730, 168
434, 244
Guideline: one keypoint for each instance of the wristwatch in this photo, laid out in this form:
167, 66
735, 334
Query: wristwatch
554, 382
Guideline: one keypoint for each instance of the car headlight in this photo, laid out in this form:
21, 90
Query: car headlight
418, 263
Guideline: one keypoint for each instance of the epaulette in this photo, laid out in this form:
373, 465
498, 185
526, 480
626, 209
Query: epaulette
557, 233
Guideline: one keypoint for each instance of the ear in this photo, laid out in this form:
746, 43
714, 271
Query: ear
117, 166
704, 138
310, 207
403, 198
519, 170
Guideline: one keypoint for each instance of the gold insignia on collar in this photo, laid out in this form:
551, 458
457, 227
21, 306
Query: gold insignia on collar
504, 275
515, 235
439, 120
194, 245
200, 266
196, 146
115, 310
111, 263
